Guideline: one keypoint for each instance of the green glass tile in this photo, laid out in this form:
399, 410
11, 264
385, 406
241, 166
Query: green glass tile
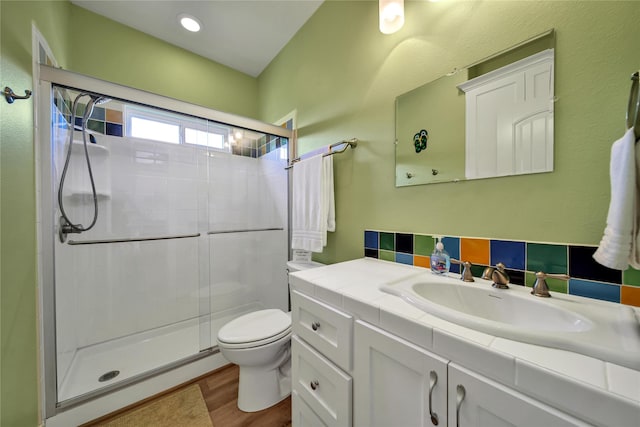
547, 258
80, 108
555, 285
631, 277
387, 255
387, 241
423, 245
96, 126
477, 270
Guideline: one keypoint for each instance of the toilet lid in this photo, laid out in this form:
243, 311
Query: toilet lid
255, 326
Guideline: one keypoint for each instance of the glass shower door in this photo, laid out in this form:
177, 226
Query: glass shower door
130, 293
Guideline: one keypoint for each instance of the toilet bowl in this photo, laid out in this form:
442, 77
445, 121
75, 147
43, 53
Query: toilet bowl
260, 344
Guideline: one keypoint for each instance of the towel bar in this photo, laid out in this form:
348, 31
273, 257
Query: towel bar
353, 143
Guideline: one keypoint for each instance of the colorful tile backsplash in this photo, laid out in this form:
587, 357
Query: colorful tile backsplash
522, 259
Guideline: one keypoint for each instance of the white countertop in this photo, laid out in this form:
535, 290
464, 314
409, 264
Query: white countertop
590, 389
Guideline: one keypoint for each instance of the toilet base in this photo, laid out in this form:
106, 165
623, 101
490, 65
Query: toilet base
260, 389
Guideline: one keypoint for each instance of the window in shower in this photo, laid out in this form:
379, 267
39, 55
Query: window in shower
163, 126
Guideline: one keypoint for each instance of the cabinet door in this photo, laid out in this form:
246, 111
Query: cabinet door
302, 415
395, 382
477, 401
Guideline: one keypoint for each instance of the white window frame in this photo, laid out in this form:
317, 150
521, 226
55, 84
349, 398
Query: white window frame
182, 121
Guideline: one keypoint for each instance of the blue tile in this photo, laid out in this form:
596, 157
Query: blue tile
98, 113
114, 129
597, 290
452, 246
511, 254
404, 258
371, 239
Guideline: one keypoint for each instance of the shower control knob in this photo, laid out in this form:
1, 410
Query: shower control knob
314, 384
315, 326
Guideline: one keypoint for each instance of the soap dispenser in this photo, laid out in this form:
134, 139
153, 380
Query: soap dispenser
440, 259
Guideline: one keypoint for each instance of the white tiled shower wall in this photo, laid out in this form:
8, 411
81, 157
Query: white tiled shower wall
149, 189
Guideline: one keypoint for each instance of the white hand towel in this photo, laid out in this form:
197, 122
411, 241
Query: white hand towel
308, 217
614, 250
329, 193
634, 258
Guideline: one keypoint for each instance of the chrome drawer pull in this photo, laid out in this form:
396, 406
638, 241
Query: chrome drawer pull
459, 398
314, 384
433, 380
315, 326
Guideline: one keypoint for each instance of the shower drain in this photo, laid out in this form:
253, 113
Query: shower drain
108, 376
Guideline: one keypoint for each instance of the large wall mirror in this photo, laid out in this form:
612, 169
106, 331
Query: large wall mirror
492, 118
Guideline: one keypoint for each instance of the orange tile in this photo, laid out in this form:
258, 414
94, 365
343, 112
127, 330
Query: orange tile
476, 251
114, 116
421, 261
630, 295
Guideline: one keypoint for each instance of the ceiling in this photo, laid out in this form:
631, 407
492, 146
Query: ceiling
242, 34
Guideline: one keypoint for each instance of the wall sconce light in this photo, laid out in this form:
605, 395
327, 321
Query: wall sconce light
391, 15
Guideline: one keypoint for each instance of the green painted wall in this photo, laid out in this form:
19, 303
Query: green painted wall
18, 330
342, 75
109, 51
114, 52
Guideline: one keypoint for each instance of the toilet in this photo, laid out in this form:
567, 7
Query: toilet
259, 343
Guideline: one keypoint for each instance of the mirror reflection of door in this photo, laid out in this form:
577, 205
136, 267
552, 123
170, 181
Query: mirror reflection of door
509, 119
522, 110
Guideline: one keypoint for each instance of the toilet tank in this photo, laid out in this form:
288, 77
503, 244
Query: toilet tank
293, 266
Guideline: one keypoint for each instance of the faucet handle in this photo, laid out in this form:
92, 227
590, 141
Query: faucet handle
540, 288
487, 273
500, 277
466, 275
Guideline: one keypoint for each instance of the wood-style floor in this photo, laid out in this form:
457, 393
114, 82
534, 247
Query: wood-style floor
220, 392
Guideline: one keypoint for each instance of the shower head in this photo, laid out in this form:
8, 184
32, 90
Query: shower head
99, 99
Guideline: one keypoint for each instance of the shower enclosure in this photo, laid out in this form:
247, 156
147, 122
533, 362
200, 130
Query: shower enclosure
190, 209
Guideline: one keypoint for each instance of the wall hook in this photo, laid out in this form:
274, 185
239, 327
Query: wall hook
10, 96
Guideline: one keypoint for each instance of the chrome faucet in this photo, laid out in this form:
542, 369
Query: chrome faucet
466, 275
540, 288
500, 277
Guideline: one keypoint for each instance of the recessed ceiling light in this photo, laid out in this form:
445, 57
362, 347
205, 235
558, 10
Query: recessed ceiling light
189, 22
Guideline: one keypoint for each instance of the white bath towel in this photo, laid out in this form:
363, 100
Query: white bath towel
615, 249
313, 211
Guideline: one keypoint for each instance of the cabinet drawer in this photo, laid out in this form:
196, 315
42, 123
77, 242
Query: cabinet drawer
302, 415
328, 330
322, 385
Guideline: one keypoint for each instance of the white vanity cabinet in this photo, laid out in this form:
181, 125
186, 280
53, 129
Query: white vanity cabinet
476, 401
365, 358
396, 382
321, 354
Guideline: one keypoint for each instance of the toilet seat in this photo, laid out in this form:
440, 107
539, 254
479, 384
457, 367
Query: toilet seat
255, 329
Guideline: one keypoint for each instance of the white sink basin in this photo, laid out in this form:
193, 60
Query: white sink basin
504, 307
606, 331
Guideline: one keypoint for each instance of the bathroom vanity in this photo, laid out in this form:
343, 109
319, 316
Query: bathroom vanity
364, 357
